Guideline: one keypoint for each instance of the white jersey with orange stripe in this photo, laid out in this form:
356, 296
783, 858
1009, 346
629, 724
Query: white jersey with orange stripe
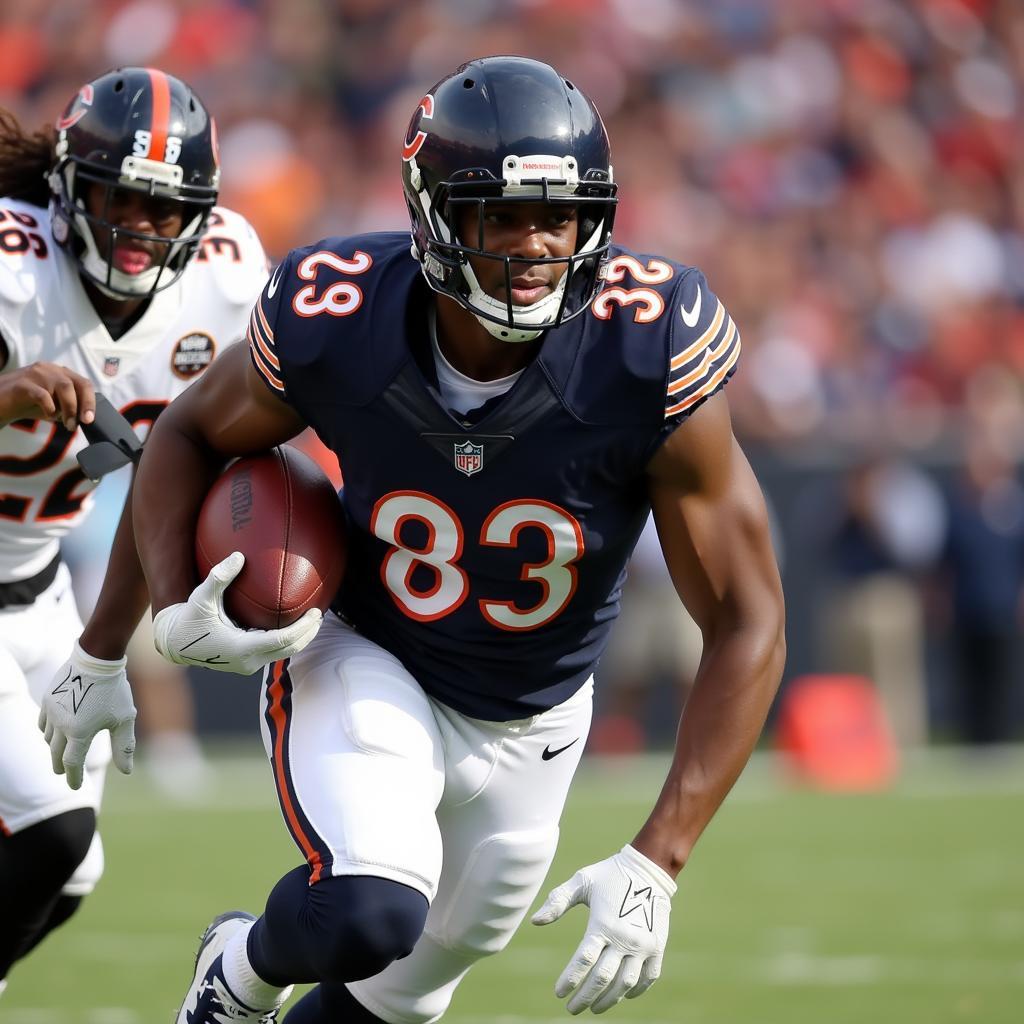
46, 315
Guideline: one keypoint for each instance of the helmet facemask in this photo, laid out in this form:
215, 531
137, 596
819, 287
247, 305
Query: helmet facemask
445, 255
86, 231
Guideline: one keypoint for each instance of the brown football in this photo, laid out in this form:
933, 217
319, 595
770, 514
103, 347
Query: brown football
280, 510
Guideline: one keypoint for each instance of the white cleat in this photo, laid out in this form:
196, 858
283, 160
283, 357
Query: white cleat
209, 1000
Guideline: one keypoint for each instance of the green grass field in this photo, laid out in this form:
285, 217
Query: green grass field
798, 907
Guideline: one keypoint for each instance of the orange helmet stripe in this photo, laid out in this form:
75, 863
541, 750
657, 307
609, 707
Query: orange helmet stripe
161, 114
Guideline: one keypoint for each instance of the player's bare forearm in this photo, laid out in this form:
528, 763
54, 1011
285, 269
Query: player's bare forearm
174, 474
714, 532
226, 413
723, 719
123, 597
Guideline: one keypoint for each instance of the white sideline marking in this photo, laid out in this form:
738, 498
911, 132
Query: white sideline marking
803, 968
807, 969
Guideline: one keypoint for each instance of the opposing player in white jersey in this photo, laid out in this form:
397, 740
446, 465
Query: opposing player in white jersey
118, 276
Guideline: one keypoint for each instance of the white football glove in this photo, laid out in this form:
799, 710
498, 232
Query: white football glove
199, 632
630, 898
86, 696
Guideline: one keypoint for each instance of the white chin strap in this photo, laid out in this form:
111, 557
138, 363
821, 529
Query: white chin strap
531, 321
143, 283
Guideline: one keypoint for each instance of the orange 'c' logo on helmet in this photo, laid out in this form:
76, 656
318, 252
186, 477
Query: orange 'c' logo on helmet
79, 108
413, 146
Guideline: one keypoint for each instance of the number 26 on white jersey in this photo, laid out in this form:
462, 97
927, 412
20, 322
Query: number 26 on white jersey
556, 575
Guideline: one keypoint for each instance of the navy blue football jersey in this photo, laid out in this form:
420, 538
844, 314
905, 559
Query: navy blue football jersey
487, 551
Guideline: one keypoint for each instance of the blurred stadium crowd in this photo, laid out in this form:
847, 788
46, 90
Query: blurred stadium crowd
848, 173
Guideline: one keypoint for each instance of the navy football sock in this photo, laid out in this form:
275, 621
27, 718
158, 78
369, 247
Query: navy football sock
341, 929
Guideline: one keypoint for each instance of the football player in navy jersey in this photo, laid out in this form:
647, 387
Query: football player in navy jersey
508, 401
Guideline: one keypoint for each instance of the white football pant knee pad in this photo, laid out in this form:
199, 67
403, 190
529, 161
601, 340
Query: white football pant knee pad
495, 888
476, 913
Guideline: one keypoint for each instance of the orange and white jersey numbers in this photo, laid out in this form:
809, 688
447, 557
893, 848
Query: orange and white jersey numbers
554, 577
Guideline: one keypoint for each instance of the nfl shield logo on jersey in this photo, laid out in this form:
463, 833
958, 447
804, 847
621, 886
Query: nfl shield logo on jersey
111, 365
469, 458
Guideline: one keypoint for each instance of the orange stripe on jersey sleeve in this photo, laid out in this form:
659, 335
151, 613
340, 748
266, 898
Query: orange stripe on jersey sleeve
710, 386
263, 368
710, 355
702, 342
268, 332
161, 114
266, 345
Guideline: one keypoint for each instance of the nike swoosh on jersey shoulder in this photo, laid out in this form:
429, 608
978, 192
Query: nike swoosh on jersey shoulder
692, 315
274, 281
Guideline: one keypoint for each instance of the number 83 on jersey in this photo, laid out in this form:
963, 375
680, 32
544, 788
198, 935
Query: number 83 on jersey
440, 554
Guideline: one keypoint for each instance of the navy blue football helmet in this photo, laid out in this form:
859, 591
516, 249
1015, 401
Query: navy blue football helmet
140, 129
507, 129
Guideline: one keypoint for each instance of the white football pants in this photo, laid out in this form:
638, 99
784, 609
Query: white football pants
375, 778
35, 640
